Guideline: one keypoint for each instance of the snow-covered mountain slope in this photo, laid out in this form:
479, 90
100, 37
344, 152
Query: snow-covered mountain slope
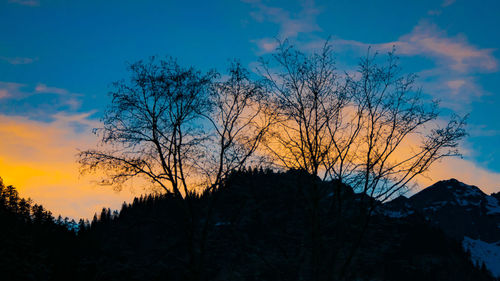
492, 205
462, 211
459, 209
481, 251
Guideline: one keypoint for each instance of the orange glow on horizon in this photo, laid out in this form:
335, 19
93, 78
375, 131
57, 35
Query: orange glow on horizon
39, 159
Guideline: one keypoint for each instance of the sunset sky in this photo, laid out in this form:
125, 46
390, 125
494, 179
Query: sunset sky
58, 59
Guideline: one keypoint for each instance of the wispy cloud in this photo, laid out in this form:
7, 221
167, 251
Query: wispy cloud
426, 39
434, 12
67, 98
10, 89
447, 3
456, 90
29, 3
456, 84
453, 51
290, 24
42, 88
482, 131
443, 6
457, 62
14, 90
80, 119
266, 45
18, 60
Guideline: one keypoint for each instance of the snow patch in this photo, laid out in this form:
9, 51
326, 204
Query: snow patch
397, 214
492, 206
470, 191
464, 202
438, 205
431, 208
467, 196
489, 253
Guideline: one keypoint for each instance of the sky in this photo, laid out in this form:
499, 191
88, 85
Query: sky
58, 59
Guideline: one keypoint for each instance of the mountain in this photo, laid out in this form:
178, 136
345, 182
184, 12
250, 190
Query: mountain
463, 212
260, 225
262, 228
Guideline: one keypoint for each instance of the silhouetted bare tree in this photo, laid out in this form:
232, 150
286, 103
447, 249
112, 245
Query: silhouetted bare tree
150, 126
400, 137
186, 132
317, 126
240, 117
171, 125
372, 129
181, 130
305, 90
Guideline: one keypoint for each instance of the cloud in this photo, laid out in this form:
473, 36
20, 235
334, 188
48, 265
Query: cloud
18, 60
447, 3
290, 24
439, 11
456, 90
457, 62
266, 45
10, 89
454, 52
42, 88
39, 159
434, 12
464, 168
456, 84
79, 118
29, 3
67, 98
482, 131
426, 39
14, 90
465, 171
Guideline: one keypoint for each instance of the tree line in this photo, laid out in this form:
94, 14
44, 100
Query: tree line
260, 229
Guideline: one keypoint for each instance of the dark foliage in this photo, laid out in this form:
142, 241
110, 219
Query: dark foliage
33, 245
259, 231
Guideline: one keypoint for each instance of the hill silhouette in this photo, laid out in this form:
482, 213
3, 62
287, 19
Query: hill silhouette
259, 229
34, 245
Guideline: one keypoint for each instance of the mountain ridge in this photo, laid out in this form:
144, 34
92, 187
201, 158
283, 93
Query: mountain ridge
260, 229
462, 211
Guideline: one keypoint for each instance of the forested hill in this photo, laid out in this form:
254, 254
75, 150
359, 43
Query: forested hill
260, 225
33, 244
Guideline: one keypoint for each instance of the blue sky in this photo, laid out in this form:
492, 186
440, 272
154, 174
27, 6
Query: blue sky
58, 58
